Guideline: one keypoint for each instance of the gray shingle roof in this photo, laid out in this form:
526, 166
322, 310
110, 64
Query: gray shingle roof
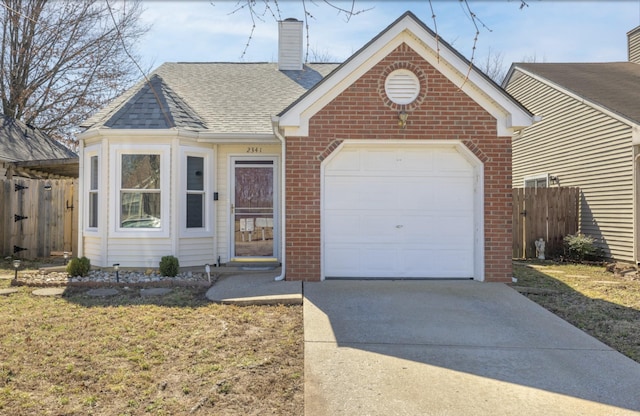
21, 142
214, 97
614, 85
155, 106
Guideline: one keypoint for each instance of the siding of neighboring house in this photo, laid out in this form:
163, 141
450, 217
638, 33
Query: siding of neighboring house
634, 45
359, 113
583, 147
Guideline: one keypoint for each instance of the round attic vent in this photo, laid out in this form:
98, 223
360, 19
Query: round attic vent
402, 86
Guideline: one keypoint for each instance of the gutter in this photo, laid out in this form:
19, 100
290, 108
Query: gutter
275, 124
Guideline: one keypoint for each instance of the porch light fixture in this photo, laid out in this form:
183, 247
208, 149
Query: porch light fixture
116, 267
16, 265
402, 119
66, 257
554, 179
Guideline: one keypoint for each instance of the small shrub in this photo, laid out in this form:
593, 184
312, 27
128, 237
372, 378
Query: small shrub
78, 266
169, 266
580, 247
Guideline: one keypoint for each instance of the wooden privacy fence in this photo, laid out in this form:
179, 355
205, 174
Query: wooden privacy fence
38, 217
547, 213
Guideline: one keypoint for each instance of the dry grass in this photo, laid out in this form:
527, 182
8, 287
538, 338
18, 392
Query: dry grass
129, 355
598, 302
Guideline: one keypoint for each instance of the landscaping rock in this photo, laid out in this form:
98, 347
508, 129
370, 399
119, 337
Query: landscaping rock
49, 291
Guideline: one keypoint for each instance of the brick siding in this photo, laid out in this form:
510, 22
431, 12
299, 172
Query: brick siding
441, 112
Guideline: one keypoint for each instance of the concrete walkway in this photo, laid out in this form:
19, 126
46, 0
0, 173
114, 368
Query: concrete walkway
255, 288
453, 348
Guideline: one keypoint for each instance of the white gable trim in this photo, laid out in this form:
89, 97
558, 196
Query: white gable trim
509, 115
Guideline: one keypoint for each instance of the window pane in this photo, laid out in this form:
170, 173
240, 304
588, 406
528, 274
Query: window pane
195, 173
195, 210
93, 210
140, 171
94, 173
140, 209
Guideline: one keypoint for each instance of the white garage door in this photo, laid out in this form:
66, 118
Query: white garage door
403, 212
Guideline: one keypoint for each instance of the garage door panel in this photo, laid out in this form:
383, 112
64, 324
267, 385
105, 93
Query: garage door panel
342, 227
436, 230
342, 261
416, 162
358, 194
359, 227
403, 213
350, 261
418, 262
451, 161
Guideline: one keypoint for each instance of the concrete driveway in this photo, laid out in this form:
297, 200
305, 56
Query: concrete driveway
453, 348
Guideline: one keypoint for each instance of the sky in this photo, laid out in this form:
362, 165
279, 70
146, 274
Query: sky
544, 31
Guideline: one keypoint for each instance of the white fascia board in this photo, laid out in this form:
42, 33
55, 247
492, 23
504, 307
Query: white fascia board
509, 115
203, 137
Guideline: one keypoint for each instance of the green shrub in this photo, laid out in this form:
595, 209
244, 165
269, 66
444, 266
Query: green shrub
169, 266
78, 266
580, 247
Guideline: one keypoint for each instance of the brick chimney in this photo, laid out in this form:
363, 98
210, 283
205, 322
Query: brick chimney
633, 45
290, 44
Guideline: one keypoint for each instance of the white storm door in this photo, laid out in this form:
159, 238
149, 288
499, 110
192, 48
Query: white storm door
253, 208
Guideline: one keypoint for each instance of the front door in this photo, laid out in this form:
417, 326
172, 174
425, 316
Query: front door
253, 224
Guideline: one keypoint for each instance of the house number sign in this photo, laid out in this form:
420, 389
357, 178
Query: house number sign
252, 149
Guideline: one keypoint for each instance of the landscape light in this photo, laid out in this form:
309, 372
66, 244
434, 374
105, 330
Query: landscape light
16, 265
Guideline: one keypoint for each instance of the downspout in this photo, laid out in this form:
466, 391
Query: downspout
276, 130
81, 181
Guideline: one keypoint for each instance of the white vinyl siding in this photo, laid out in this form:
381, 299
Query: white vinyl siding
93, 250
582, 147
634, 45
196, 252
134, 252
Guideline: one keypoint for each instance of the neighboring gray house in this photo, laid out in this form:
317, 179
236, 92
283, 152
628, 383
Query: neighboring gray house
27, 151
589, 137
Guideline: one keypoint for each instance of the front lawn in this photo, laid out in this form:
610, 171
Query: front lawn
131, 355
600, 303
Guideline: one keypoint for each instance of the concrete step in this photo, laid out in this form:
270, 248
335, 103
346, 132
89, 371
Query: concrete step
252, 265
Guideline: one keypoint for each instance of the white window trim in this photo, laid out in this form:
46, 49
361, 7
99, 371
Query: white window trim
208, 229
537, 177
115, 162
90, 152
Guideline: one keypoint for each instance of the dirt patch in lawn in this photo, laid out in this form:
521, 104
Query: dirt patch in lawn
605, 304
176, 354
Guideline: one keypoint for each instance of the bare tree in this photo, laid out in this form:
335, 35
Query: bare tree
63, 60
493, 66
257, 11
